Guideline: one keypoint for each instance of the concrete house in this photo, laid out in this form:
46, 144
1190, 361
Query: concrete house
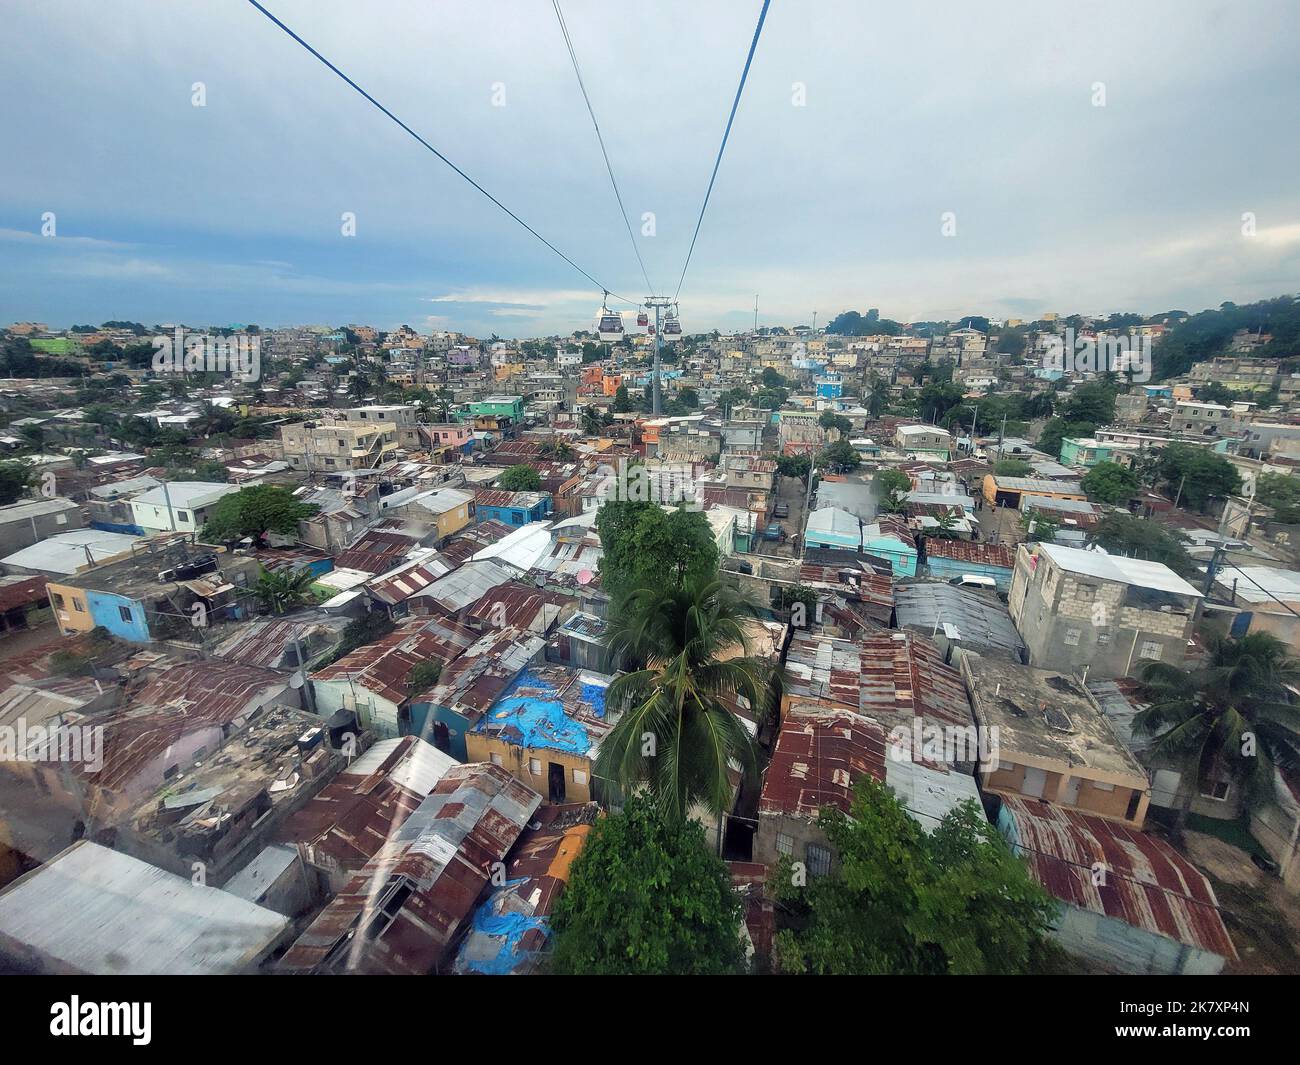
1078, 609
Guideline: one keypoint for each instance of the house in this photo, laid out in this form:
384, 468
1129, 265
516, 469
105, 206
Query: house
61, 554
510, 930
1127, 901
342, 444
893, 678
545, 729
1078, 609
173, 592
959, 621
949, 559
923, 441
177, 506
511, 508
351, 819
1007, 491
449, 508
820, 754
30, 521
94, 911
889, 538
469, 685
1053, 742
374, 681
404, 913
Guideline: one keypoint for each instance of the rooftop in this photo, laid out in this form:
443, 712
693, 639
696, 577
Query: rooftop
1148, 884
1135, 571
549, 708
94, 910
1045, 715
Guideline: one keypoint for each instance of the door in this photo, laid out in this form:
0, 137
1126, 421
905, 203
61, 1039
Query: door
555, 781
1035, 781
441, 737
1071, 794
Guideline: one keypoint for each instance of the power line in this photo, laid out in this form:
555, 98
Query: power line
568, 42
389, 114
744, 74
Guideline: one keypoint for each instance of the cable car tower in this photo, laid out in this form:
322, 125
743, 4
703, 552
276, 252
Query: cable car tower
663, 324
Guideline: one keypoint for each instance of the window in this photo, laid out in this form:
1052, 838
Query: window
78, 606
58, 600
182, 515
495, 759
818, 859
784, 843
1152, 650
125, 612
535, 766
1215, 789
579, 776
60, 519
1085, 593
1072, 637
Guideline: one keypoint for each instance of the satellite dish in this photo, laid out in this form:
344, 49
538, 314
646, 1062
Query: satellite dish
585, 576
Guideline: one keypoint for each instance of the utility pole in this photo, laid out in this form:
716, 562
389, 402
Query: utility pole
755, 312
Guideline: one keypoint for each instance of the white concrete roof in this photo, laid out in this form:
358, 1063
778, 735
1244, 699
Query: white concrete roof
186, 495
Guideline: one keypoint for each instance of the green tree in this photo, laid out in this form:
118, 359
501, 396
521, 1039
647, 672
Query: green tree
520, 478
1120, 533
1109, 482
14, 479
830, 420
279, 591
1280, 491
797, 466
647, 897
423, 677
676, 735
1057, 429
839, 457
254, 512
644, 545
1236, 714
622, 401
1196, 475
1012, 468
901, 901
1039, 527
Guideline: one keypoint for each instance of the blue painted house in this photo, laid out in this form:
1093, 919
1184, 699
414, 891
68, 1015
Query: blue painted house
512, 508
956, 558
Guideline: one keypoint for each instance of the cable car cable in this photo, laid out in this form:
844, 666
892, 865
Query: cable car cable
744, 74
434, 150
568, 42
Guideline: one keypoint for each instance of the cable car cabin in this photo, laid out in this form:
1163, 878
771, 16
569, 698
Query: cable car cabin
642, 320
672, 327
611, 327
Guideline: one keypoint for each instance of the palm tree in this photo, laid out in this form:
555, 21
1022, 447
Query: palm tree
280, 590
1237, 712
676, 735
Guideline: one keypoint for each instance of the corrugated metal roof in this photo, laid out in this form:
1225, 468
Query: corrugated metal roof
95, 910
881, 676
383, 667
406, 908
1147, 883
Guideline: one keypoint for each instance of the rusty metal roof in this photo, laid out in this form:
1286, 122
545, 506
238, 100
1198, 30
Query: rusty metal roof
383, 667
404, 581
820, 752
1147, 884
471, 683
511, 927
354, 815
968, 551
406, 909
883, 676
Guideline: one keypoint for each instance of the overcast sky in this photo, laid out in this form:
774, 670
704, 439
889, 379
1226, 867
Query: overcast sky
231, 212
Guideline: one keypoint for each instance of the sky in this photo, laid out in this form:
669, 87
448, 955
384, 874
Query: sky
863, 128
